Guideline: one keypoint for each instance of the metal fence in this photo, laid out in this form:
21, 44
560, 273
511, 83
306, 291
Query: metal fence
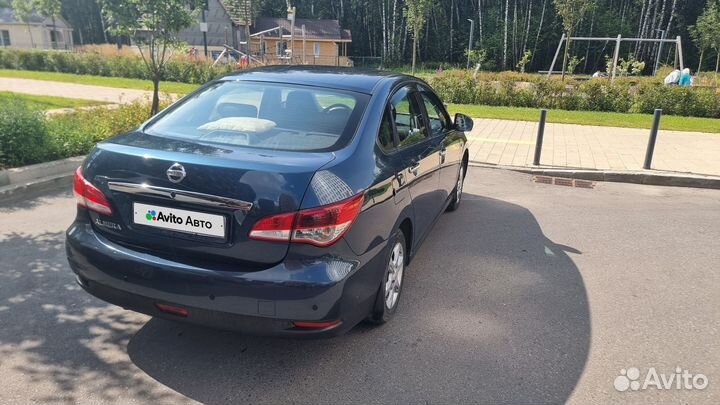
375, 62
305, 60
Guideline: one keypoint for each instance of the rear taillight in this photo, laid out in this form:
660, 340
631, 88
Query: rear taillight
276, 227
324, 225
89, 196
321, 226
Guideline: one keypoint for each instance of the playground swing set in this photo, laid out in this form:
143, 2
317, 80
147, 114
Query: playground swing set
616, 56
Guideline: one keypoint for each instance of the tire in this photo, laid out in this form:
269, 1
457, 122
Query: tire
457, 191
386, 305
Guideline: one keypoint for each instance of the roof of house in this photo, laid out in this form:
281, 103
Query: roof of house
7, 16
240, 11
314, 29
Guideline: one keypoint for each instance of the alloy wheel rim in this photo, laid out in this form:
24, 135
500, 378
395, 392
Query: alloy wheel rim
396, 267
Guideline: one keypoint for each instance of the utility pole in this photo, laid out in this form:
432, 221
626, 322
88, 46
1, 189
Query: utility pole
303, 52
204, 26
470, 44
291, 17
227, 54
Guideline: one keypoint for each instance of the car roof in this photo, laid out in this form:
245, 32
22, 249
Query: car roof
341, 78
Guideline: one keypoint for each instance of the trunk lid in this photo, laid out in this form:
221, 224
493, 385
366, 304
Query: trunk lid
132, 171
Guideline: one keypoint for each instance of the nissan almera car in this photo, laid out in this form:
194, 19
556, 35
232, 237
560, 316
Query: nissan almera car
281, 201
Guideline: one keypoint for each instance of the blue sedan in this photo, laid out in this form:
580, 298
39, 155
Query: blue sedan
283, 201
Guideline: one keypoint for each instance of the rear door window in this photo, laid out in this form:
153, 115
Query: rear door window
386, 136
265, 115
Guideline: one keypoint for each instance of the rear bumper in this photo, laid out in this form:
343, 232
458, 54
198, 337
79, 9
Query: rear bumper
260, 302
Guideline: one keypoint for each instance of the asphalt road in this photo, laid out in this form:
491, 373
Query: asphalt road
529, 293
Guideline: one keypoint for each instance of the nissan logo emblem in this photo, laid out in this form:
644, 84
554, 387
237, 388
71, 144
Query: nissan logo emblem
176, 173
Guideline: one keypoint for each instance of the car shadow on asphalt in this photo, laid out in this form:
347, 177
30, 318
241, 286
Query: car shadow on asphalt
492, 311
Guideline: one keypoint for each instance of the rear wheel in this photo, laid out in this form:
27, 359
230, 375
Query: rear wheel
457, 192
388, 296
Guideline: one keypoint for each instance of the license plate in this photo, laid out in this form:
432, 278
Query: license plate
198, 223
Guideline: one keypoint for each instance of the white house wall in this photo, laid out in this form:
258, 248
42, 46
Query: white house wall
20, 36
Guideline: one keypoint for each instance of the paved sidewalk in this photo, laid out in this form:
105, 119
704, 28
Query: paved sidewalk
512, 143
73, 90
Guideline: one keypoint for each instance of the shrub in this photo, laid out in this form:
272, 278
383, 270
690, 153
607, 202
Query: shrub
77, 133
454, 87
675, 100
69, 135
514, 89
178, 69
548, 93
31, 60
484, 93
512, 94
23, 135
92, 64
28, 136
602, 95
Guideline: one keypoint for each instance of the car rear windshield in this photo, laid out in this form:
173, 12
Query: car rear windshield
265, 115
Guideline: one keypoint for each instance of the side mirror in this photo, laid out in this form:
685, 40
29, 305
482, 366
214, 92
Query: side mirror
463, 122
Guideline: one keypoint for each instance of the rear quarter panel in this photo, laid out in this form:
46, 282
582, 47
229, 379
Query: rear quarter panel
362, 166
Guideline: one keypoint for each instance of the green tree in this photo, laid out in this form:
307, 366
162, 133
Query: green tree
571, 12
153, 25
23, 10
524, 60
701, 34
416, 12
706, 32
573, 64
49, 8
476, 56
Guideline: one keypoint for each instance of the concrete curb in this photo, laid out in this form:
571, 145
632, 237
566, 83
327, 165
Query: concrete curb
19, 191
16, 182
655, 178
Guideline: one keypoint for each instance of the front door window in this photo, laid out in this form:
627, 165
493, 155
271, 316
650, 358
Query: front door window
438, 121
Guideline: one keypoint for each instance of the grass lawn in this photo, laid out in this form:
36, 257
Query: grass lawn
120, 82
46, 102
605, 119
